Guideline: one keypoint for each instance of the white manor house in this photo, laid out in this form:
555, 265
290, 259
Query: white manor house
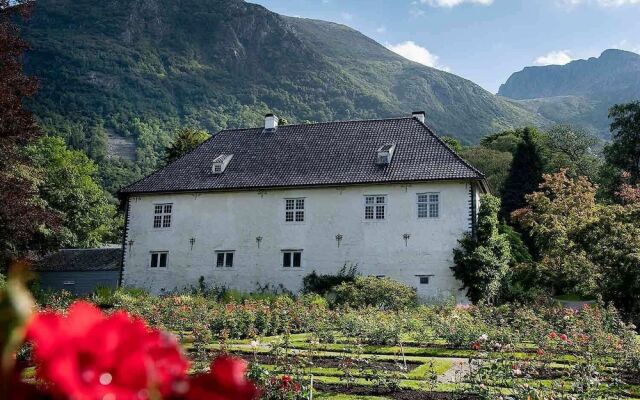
269, 205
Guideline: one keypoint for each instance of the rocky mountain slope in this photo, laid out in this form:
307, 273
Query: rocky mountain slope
579, 92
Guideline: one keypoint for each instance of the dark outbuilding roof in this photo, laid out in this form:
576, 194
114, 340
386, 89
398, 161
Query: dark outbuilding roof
322, 154
104, 259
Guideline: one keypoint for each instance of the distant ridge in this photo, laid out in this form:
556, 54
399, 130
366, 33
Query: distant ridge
579, 92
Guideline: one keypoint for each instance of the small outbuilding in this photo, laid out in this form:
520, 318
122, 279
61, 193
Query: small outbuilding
80, 271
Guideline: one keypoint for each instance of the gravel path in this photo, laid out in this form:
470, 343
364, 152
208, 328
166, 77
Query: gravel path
459, 370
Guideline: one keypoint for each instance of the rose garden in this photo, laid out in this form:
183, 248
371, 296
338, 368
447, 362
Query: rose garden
129, 344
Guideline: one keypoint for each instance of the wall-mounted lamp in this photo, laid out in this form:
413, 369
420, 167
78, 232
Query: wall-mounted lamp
192, 241
131, 242
406, 238
338, 239
258, 240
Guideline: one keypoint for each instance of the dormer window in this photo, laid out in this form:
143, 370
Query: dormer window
220, 163
384, 154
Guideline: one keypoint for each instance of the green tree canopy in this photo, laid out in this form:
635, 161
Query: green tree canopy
88, 219
525, 173
624, 151
452, 142
185, 140
571, 148
482, 262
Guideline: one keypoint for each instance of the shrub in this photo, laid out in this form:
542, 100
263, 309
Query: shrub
322, 284
382, 293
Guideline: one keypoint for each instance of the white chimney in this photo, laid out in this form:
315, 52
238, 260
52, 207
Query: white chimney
419, 115
270, 122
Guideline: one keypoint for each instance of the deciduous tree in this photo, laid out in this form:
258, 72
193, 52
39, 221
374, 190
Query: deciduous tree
185, 140
22, 213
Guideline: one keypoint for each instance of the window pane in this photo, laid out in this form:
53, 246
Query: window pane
423, 198
433, 210
380, 199
368, 212
219, 259
433, 197
300, 204
288, 216
166, 222
289, 204
286, 259
229, 261
424, 280
167, 208
423, 211
163, 260
297, 257
158, 209
369, 200
157, 221
379, 212
154, 260
299, 216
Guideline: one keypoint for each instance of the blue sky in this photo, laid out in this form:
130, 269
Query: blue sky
483, 40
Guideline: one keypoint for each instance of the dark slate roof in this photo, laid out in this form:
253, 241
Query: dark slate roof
331, 153
104, 259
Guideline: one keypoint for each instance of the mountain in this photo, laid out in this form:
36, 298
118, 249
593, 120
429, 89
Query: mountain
580, 92
134, 70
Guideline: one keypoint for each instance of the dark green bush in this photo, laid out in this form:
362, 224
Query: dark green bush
322, 284
382, 293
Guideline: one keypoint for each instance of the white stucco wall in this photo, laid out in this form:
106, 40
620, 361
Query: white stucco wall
233, 220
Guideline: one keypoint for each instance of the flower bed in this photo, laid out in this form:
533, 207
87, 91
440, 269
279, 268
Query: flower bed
299, 345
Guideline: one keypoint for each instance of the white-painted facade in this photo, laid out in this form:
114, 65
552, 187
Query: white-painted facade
252, 225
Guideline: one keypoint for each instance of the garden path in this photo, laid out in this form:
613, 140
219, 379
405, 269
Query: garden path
460, 369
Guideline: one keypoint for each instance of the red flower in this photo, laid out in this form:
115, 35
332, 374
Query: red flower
87, 355
563, 337
540, 352
476, 346
553, 335
226, 381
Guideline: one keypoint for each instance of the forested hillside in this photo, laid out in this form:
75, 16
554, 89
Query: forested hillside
140, 69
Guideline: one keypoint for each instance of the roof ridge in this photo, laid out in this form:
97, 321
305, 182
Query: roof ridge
346, 121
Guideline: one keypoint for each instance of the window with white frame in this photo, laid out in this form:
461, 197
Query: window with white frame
428, 205
294, 210
375, 207
291, 258
159, 259
224, 258
162, 215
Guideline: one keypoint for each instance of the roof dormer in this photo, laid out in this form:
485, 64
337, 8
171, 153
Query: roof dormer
220, 163
385, 154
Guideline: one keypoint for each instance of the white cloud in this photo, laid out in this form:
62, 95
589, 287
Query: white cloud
411, 51
453, 3
559, 57
346, 16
